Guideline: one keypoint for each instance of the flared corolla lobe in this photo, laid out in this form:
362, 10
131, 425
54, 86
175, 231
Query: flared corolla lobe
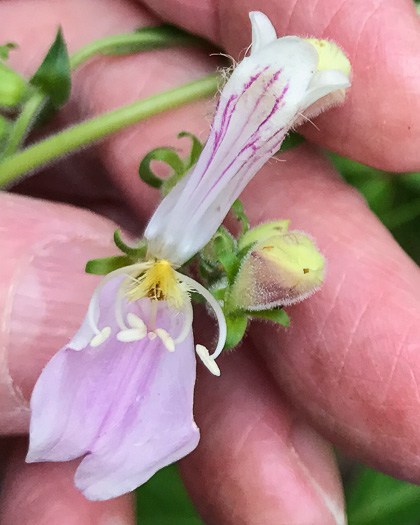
125, 406
275, 88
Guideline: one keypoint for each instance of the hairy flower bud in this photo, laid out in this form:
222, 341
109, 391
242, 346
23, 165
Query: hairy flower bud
12, 86
263, 231
280, 270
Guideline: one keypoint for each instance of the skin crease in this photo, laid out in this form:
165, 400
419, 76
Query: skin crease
355, 381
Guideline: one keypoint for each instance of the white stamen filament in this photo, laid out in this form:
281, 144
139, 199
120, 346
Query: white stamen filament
194, 285
207, 360
93, 305
152, 314
187, 312
119, 311
166, 339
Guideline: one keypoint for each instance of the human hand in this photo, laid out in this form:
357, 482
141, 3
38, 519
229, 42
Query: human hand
347, 365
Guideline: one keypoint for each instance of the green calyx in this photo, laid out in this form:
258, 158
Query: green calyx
223, 262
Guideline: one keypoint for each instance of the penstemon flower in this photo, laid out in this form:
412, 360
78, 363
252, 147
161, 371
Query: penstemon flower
120, 393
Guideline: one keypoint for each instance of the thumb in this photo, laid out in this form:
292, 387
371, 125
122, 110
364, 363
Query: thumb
44, 291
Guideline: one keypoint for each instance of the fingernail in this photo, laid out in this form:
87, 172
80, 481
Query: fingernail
316, 459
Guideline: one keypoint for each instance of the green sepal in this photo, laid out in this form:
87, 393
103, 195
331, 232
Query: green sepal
106, 265
238, 212
292, 140
210, 271
236, 327
167, 155
138, 252
231, 265
196, 149
218, 294
277, 315
53, 75
5, 50
221, 242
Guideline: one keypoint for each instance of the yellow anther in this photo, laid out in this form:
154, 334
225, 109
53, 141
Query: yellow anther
160, 283
330, 56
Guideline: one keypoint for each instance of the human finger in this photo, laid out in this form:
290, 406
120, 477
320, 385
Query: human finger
257, 460
350, 359
44, 493
377, 125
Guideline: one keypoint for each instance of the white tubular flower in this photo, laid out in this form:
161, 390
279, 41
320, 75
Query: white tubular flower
283, 82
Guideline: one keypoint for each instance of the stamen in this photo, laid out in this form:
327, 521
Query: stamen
187, 312
152, 335
166, 339
119, 311
152, 314
194, 285
100, 337
135, 322
207, 360
94, 302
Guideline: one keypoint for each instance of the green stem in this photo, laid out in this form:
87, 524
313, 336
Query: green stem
70, 139
143, 40
22, 124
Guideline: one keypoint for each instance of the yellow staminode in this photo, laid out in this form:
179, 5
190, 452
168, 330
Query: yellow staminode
330, 56
159, 282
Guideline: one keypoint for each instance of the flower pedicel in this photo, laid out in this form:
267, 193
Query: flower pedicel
120, 393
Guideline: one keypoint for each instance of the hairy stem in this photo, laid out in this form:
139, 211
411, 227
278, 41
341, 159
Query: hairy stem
72, 138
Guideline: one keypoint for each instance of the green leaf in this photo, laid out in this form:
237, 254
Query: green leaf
138, 252
163, 500
291, 140
5, 50
236, 327
53, 75
276, 315
106, 265
411, 181
376, 499
238, 212
196, 149
167, 155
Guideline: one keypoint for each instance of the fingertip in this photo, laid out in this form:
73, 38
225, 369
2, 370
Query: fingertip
45, 290
42, 493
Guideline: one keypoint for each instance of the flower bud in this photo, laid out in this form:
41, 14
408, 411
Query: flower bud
263, 231
12, 86
280, 270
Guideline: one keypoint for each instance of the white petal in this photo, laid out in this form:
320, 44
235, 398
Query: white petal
257, 107
323, 83
263, 32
